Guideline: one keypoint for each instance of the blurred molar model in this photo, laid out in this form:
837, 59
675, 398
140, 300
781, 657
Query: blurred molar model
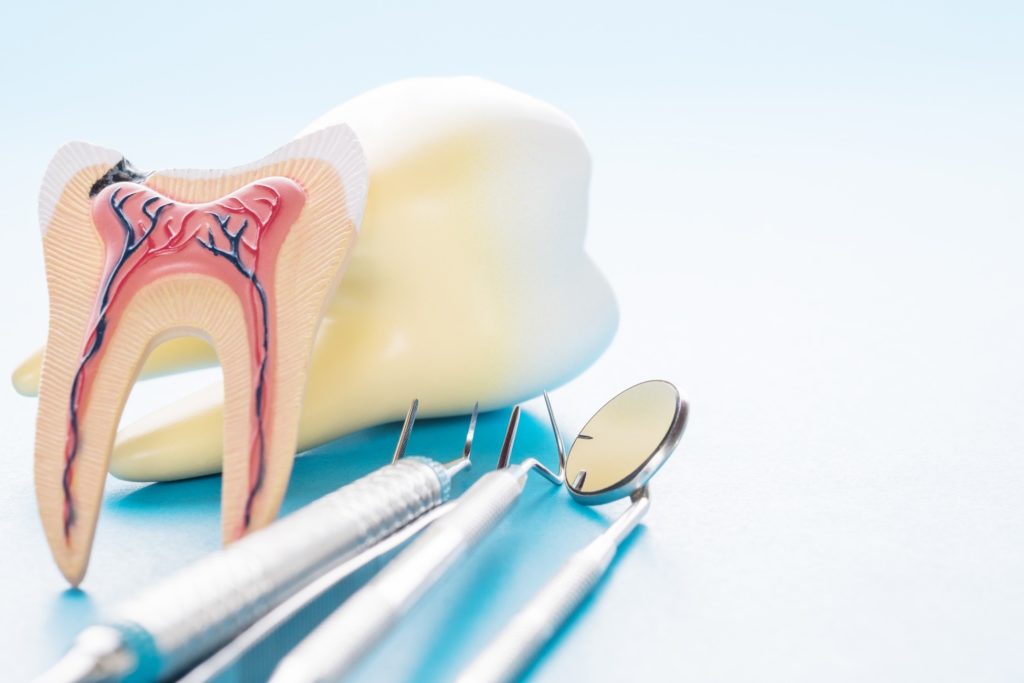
469, 281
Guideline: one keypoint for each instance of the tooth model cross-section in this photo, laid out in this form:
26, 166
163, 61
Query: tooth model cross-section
246, 258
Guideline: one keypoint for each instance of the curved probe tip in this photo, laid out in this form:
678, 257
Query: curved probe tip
472, 430
510, 436
403, 438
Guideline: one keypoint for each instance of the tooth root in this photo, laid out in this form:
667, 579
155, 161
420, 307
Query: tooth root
25, 377
246, 258
73, 260
175, 355
70, 521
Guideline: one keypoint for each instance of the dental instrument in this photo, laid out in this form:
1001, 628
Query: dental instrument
184, 618
255, 636
338, 643
615, 455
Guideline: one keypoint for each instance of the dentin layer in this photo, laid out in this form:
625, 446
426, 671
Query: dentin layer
243, 258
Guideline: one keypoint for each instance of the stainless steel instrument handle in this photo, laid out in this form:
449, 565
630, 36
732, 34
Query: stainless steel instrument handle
534, 625
271, 624
521, 640
345, 636
202, 606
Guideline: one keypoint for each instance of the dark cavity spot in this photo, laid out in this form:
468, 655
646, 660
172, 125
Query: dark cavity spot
122, 171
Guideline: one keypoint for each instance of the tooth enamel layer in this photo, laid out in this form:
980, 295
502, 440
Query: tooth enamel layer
243, 258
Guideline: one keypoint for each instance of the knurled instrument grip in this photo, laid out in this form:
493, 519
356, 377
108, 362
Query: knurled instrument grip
202, 606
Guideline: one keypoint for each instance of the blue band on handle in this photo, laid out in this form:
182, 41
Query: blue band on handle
442, 474
140, 642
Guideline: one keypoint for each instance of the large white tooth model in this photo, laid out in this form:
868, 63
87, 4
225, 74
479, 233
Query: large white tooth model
469, 282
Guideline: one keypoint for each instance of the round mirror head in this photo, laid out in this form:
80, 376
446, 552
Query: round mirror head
625, 443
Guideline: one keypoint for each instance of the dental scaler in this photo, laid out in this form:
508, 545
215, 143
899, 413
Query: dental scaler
174, 625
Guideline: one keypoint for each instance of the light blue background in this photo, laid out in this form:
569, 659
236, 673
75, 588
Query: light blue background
811, 214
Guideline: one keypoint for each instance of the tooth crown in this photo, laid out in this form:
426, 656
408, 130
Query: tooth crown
245, 258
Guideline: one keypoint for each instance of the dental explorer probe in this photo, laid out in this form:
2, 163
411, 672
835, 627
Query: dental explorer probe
337, 644
185, 617
615, 455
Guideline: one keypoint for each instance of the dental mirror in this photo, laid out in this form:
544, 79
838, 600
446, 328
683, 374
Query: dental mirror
625, 442
615, 455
